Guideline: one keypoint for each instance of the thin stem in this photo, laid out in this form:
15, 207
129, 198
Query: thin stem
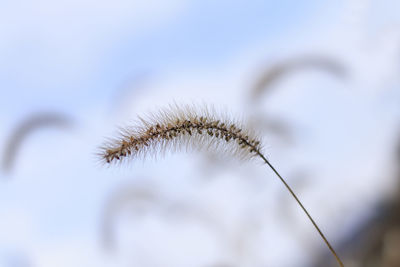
304, 209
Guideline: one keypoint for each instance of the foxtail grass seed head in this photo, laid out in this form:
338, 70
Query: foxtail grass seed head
281, 69
32, 123
191, 127
133, 197
182, 128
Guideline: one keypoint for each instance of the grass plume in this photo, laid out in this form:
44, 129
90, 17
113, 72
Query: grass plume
144, 199
190, 127
276, 72
178, 128
128, 195
25, 128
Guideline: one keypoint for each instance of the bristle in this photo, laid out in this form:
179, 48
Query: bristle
182, 128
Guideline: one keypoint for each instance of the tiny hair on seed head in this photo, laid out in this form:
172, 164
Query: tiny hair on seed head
182, 128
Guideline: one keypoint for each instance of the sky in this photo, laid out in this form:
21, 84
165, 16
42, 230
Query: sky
68, 52
103, 62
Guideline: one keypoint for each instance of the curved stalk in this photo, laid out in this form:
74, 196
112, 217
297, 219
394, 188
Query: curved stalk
304, 209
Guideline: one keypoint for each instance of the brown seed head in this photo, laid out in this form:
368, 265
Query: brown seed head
179, 127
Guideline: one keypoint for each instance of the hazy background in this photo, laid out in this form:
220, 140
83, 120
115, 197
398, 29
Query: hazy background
334, 134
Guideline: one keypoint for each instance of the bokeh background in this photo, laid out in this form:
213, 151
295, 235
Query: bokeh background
318, 79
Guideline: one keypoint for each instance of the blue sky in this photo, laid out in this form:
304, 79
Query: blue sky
76, 56
75, 69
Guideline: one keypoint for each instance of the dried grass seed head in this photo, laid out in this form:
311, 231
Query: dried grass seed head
25, 128
189, 128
